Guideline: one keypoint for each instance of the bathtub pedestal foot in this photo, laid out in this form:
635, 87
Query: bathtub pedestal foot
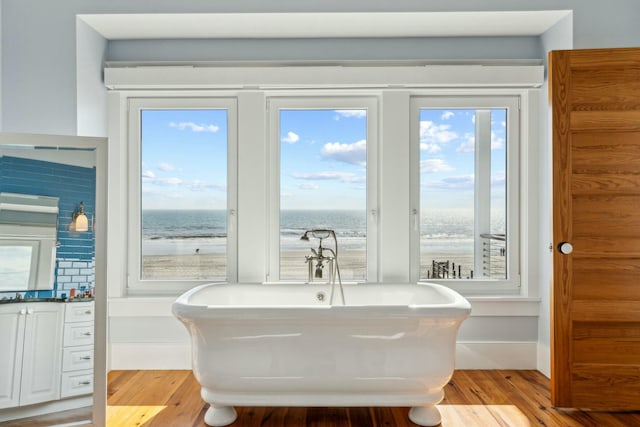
427, 416
218, 415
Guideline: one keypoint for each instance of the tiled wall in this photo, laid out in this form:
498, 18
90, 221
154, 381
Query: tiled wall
72, 184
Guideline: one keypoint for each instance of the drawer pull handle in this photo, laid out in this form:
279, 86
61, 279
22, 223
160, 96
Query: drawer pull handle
87, 334
87, 312
85, 358
84, 383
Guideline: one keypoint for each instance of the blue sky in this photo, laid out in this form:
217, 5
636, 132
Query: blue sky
323, 158
447, 142
184, 159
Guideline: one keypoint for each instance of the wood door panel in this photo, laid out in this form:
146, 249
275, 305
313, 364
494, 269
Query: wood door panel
605, 121
606, 215
605, 89
594, 351
592, 276
595, 97
604, 183
605, 152
591, 341
605, 311
616, 330
597, 59
619, 385
606, 247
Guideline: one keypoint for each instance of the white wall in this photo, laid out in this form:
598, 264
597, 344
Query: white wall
557, 38
39, 42
49, 68
91, 50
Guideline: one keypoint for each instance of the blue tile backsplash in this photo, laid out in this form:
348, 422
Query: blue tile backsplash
75, 261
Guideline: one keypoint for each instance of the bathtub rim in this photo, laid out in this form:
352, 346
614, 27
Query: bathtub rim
459, 308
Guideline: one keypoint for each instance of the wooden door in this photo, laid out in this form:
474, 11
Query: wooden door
595, 306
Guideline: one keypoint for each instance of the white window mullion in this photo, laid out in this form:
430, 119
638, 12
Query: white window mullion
482, 183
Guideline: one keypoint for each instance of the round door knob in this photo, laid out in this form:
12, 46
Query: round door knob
565, 248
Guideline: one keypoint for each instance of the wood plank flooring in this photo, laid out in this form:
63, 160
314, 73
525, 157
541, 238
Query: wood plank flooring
473, 399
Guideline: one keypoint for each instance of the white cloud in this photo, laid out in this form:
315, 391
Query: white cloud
497, 141
148, 175
166, 167
291, 138
432, 134
447, 115
199, 185
195, 127
434, 166
165, 181
468, 144
308, 186
355, 154
328, 176
359, 114
462, 182
430, 148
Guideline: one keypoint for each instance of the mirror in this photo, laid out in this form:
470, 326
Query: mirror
28, 236
47, 184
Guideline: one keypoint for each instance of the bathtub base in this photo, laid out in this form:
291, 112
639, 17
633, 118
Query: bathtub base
220, 415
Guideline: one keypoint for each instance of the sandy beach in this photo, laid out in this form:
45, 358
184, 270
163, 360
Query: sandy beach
213, 266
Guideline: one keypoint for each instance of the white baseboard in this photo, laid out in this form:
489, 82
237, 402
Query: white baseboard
469, 355
496, 355
544, 359
132, 356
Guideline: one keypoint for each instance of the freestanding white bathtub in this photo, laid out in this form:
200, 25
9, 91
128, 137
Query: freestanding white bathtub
284, 345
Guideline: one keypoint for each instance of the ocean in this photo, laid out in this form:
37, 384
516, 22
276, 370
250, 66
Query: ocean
177, 232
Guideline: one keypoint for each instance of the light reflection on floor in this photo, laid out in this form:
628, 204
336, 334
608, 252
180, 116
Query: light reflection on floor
134, 415
482, 416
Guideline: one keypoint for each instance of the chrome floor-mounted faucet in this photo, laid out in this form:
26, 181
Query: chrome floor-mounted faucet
324, 257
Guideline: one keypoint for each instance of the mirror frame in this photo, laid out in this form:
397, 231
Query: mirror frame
100, 146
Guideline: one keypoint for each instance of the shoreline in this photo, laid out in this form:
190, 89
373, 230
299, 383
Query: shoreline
212, 266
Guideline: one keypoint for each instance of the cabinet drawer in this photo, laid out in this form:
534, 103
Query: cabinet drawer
77, 358
76, 383
80, 333
79, 312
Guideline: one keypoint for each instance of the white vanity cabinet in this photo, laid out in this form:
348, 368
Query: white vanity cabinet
77, 359
30, 354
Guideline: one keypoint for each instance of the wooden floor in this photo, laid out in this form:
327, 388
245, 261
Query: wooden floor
473, 398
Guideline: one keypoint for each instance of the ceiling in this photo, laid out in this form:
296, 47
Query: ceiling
323, 25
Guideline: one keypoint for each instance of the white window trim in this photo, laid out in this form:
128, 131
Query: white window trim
346, 102
135, 105
252, 85
514, 209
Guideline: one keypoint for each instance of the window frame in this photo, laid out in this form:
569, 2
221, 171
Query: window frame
135, 285
514, 209
352, 101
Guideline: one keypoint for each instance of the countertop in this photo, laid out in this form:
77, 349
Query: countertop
28, 300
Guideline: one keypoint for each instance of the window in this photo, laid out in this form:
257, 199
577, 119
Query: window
18, 264
180, 209
466, 196
324, 150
